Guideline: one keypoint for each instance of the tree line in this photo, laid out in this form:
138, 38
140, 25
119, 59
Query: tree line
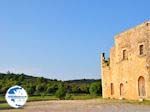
40, 86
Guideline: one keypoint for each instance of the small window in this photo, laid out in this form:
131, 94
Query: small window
141, 49
112, 88
124, 54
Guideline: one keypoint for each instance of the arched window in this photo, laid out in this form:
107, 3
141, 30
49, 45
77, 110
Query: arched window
141, 86
121, 89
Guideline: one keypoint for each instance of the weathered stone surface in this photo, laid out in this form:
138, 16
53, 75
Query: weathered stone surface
134, 71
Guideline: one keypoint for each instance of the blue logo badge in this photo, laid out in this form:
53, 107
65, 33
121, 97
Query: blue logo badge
16, 96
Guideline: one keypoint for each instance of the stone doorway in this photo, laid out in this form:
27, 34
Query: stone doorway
121, 89
141, 86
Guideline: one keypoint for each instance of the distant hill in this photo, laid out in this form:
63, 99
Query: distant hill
28, 77
83, 81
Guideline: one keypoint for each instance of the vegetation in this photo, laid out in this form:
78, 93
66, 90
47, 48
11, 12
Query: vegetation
61, 91
95, 88
39, 88
4, 106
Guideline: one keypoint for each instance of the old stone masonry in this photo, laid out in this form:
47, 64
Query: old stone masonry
126, 74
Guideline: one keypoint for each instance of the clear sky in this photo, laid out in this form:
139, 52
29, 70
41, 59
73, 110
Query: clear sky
63, 38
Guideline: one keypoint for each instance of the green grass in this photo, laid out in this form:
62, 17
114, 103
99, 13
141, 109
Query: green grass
4, 106
52, 97
2, 99
147, 102
144, 102
83, 96
41, 98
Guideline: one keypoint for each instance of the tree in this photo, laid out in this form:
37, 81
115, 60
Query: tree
75, 88
30, 90
84, 88
39, 88
21, 78
61, 92
51, 88
95, 89
3, 90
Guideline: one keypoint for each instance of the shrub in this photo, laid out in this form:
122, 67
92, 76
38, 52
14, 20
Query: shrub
95, 89
68, 97
61, 92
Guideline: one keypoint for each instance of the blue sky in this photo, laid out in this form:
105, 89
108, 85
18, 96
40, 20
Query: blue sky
63, 38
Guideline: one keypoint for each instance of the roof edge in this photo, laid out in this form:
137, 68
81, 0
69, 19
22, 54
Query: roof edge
146, 23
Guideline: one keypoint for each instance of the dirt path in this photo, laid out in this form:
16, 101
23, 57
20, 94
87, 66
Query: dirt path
80, 106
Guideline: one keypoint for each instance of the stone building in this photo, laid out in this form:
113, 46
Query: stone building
126, 74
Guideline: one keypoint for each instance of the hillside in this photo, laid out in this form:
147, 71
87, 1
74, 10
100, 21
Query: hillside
43, 86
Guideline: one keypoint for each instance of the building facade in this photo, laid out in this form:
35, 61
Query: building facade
126, 74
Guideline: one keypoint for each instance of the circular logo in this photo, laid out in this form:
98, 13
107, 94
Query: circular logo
16, 96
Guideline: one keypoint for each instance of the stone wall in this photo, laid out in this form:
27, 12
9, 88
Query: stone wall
127, 71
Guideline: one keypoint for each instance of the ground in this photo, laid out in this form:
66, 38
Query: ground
94, 105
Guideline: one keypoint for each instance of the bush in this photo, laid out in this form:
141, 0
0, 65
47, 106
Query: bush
61, 92
95, 89
75, 89
30, 90
68, 97
51, 89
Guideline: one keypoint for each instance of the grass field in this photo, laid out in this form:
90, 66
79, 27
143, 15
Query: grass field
4, 105
52, 97
83, 97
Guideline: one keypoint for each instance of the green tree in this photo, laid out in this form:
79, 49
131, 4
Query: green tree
3, 90
95, 89
61, 92
75, 89
30, 90
39, 89
84, 88
52, 88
